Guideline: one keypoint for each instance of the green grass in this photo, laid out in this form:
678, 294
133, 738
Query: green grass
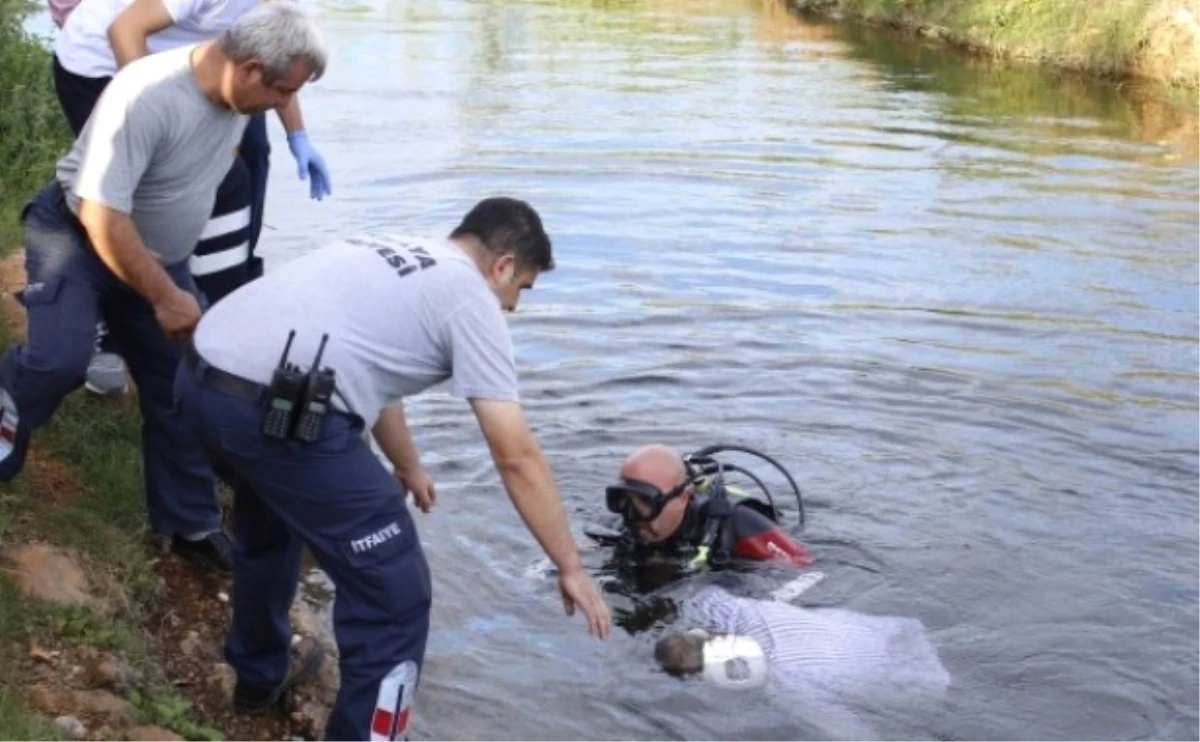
97, 443
1112, 38
33, 131
16, 620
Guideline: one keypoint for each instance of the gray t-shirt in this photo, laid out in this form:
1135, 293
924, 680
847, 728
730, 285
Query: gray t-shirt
403, 314
156, 149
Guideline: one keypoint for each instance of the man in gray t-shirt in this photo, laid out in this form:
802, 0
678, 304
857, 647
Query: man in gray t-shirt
109, 238
394, 316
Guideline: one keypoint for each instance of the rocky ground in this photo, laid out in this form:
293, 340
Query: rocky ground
94, 693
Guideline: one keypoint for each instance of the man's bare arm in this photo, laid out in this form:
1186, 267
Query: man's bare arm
394, 439
527, 478
530, 485
291, 116
120, 248
129, 31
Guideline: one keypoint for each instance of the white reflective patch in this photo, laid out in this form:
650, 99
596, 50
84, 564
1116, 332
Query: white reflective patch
219, 225
393, 706
8, 424
215, 262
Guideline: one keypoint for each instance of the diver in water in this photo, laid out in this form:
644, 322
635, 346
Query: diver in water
680, 506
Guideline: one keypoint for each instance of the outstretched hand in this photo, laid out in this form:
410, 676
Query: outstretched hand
579, 591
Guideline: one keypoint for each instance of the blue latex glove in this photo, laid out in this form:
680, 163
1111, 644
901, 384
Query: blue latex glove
308, 160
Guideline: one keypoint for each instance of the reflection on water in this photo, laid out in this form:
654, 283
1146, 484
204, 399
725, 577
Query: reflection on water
958, 300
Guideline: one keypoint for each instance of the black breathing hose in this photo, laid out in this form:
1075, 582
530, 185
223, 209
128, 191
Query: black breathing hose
707, 453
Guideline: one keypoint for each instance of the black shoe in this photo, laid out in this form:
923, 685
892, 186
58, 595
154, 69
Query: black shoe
214, 551
250, 700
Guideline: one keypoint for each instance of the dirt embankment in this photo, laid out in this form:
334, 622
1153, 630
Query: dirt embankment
71, 664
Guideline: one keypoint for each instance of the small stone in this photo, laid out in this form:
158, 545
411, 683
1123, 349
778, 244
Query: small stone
190, 644
46, 573
107, 671
49, 701
223, 596
39, 653
223, 678
71, 727
150, 734
99, 703
296, 639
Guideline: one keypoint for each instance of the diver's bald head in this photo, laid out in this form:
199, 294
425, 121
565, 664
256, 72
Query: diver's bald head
657, 464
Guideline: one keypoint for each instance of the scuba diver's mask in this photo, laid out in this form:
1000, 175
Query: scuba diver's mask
735, 662
621, 499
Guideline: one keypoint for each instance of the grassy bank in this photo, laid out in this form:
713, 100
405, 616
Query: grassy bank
81, 490
33, 131
1155, 39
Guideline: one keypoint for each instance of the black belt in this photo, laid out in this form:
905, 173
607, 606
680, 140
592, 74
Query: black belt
222, 381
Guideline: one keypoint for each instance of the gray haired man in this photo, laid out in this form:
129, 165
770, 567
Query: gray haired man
110, 236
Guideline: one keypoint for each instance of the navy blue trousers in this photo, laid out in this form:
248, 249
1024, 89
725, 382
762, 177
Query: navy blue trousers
67, 292
334, 496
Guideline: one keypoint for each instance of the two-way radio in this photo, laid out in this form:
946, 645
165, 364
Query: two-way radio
296, 400
283, 395
318, 391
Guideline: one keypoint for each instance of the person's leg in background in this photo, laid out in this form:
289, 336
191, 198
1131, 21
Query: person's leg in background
256, 154
77, 95
221, 262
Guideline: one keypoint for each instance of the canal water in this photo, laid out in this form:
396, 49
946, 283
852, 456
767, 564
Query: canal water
957, 300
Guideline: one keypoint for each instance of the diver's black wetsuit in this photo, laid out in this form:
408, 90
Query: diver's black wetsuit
747, 533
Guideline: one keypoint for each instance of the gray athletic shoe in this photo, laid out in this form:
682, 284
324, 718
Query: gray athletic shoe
106, 374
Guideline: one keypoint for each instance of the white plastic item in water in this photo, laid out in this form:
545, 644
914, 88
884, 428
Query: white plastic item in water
732, 661
797, 587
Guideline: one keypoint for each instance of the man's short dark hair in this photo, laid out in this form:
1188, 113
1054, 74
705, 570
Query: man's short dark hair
509, 225
680, 654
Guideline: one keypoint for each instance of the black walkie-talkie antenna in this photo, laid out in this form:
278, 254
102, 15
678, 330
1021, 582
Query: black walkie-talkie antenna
316, 366
286, 347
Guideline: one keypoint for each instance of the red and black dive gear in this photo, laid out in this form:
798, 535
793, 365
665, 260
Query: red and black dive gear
717, 525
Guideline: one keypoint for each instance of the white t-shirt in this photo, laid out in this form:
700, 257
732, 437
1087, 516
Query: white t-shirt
402, 314
84, 49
